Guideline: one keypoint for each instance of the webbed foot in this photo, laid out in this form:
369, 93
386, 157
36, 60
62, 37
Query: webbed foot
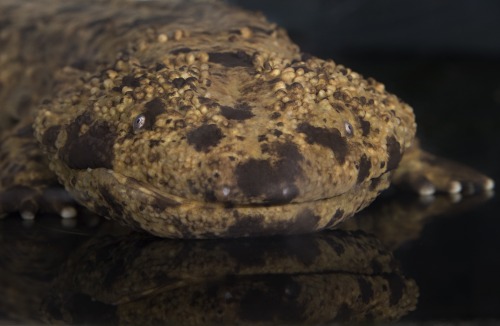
426, 174
29, 202
27, 186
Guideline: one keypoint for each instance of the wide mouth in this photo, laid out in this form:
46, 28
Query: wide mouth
173, 200
143, 207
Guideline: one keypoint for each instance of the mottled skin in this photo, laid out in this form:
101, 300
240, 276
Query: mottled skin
195, 119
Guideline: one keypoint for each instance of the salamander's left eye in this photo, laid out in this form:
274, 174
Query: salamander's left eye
348, 128
139, 122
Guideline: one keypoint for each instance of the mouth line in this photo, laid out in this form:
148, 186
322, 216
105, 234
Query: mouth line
174, 200
145, 206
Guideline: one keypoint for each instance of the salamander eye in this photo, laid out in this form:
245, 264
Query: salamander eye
348, 128
139, 122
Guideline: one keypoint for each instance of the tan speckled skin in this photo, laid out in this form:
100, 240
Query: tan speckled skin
244, 135
197, 119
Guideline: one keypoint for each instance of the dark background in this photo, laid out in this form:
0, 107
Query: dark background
443, 58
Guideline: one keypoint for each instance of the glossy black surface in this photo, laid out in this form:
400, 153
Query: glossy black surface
403, 259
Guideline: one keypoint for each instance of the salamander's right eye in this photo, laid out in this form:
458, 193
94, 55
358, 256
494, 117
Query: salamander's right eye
139, 122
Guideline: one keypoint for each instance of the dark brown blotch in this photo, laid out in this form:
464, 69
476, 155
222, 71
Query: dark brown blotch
339, 213
93, 149
259, 178
273, 183
153, 108
160, 66
50, 136
154, 142
364, 169
160, 204
365, 127
112, 203
393, 152
290, 153
237, 113
375, 182
243, 106
231, 59
210, 197
205, 100
275, 115
263, 138
204, 137
178, 82
342, 96
330, 138
130, 81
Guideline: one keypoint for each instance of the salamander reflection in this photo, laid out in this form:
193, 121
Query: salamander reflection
137, 279
105, 274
